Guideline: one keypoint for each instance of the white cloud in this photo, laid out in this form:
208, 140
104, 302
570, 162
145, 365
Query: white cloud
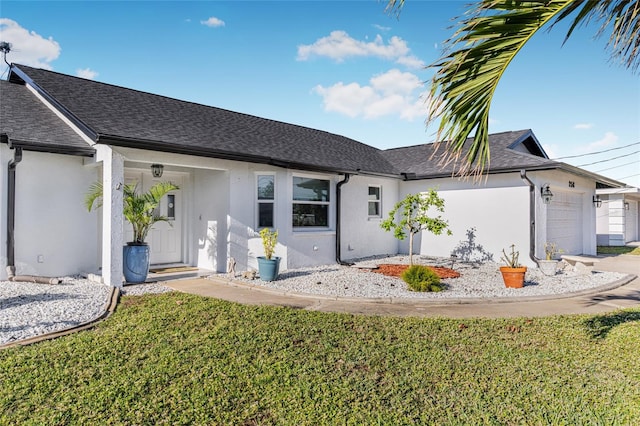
583, 126
87, 73
28, 47
339, 45
411, 61
213, 22
609, 139
392, 93
381, 28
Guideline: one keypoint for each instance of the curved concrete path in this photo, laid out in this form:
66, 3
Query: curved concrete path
616, 296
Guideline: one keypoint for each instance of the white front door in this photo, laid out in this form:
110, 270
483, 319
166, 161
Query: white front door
165, 238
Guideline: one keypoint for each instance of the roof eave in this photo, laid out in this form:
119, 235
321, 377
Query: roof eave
24, 77
47, 148
549, 166
152, 145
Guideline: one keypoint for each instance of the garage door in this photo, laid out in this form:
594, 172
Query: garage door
564, 222
631, 222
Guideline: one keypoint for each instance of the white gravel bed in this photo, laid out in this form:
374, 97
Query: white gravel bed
28, 309
477, 281
146, 288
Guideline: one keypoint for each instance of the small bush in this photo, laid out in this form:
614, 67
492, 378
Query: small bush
422, 278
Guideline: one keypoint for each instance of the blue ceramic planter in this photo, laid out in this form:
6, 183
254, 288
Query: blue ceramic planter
136, 263
268, 268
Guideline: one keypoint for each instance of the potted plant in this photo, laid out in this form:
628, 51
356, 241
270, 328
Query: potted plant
268, 265
513, 273
139, 209
549, 266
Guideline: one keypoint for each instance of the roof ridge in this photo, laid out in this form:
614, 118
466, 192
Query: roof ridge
468, 139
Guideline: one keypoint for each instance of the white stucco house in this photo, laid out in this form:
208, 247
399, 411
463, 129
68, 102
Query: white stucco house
617, 219
325, 193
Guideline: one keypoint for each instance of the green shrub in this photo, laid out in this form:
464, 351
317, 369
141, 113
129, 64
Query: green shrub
422, 278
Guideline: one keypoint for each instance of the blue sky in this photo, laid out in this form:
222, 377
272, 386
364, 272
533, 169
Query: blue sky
346, 67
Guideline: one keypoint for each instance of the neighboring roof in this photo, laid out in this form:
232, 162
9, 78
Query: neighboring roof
27, 122
629, 192
510, 152
124, 117
423, 161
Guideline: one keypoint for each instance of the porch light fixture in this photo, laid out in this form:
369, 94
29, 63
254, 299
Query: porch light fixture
546, 193
626, 205
156, 170
597, 201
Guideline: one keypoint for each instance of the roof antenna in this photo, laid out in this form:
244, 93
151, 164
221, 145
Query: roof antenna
5, 48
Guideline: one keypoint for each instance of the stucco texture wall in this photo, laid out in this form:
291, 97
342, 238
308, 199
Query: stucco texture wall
484, 218
54, 233
361, 233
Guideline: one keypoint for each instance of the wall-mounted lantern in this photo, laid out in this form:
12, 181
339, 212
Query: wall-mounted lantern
597, 201
626, 205
546, 193
156, 170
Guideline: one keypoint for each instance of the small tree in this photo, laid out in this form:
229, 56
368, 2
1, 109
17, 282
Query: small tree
413, 217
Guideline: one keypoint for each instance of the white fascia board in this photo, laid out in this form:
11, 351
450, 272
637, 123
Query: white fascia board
64, 119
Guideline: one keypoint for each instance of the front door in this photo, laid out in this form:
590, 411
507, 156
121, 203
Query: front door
165, 238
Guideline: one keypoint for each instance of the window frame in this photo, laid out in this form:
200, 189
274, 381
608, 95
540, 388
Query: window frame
258, 200
328, 203
378, 201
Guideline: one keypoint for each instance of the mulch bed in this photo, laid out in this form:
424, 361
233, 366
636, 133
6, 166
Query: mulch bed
397, 270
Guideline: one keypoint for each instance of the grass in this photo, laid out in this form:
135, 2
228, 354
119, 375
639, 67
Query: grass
183, 359
619, 250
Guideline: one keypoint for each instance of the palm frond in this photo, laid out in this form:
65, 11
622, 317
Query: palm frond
621, 17
139, 209
487, 39
468, 73
93, 197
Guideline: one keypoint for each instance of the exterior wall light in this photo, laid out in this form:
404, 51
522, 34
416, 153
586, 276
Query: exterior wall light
546, 193
156, 170
597, 201
626, 205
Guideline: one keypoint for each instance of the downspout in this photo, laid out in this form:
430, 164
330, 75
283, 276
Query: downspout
11, 206
339, 260
532, 216
11, 224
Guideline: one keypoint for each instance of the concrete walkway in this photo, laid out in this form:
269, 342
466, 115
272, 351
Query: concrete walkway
594, 302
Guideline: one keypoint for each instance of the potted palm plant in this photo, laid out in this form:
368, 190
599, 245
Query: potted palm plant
268, 265
549, 266
513, 273
139, 209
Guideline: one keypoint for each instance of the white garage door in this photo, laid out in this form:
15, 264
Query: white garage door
564, 222
631, 222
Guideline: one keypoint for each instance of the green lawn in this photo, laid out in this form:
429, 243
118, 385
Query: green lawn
183, 359
619, 250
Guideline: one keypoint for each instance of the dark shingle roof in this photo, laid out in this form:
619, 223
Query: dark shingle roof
126, 117
419, 160
29, 123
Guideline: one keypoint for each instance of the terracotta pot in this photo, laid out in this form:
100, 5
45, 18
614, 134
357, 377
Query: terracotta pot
513, 277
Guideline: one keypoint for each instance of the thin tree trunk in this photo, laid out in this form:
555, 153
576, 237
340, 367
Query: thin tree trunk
410, 248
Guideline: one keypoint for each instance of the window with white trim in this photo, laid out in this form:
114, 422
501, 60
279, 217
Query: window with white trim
266, 190
375, 201
310, 202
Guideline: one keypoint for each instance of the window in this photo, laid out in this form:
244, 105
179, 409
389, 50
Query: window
310, 202
266, 197
375, 208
